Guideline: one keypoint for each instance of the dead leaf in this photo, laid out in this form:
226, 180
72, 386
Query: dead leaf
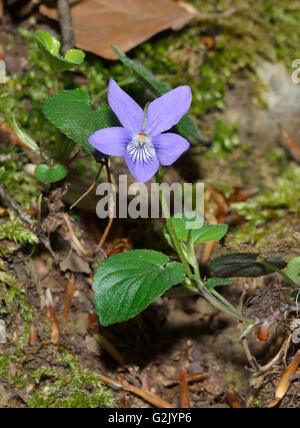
234, 400
119, 246
75, 264
289, 143
97, 24
285, 383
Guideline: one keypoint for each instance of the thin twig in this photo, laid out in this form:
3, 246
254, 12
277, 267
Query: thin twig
144, 395
275, 359
111, 205
14, 206
73, 235
68, 298
251, 359
287, 349
89, 189
65, 20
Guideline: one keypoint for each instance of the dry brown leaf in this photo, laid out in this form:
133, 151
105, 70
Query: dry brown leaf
285, 383
289, 143
97, 24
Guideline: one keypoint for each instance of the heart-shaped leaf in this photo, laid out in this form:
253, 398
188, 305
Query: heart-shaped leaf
293, 270
50, 46
187, 127
47, 175
127, 283
71, 112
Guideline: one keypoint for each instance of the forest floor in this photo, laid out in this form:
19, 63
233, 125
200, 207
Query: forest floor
251, 174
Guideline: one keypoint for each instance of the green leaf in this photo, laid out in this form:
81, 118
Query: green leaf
243, 264
127, 283
293, 270
210, 232
71, 112
216, 282
46, 174
6, 102
187, 127
50, 46
187, 228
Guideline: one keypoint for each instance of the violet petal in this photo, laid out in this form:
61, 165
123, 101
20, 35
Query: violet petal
142, 171
111, 141
167, 110
129, 113
169, 147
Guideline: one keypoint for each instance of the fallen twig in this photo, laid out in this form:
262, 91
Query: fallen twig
74, 238
54, 330
184, 390
146, 396
15, 207
111, 208
89, 189
65, 19
108, 347
68, 298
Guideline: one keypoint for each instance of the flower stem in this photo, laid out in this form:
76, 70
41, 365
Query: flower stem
214, 298
176, 241
192, 256
233, 313
58, 147
101, 94
276, 269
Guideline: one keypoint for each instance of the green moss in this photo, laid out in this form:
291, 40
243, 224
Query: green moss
224, 139
17, 184
78, 388
266, 213
14, 231
31, 88
258, 29
259, 397
13, 299
4, 365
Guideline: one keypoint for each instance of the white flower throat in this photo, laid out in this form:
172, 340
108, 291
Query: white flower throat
141, 149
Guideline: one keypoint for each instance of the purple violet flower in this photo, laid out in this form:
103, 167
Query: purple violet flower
141, 140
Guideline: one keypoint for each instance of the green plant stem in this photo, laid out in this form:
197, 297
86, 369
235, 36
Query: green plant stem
192, 257
124, 82
22, 135
213, 298
223, 300
58, 145
176, 241
276, 269
220, 306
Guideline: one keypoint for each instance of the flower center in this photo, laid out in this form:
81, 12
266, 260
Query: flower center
141, 149
143, 139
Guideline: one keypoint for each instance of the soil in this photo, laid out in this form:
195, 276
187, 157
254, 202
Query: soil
174, 335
